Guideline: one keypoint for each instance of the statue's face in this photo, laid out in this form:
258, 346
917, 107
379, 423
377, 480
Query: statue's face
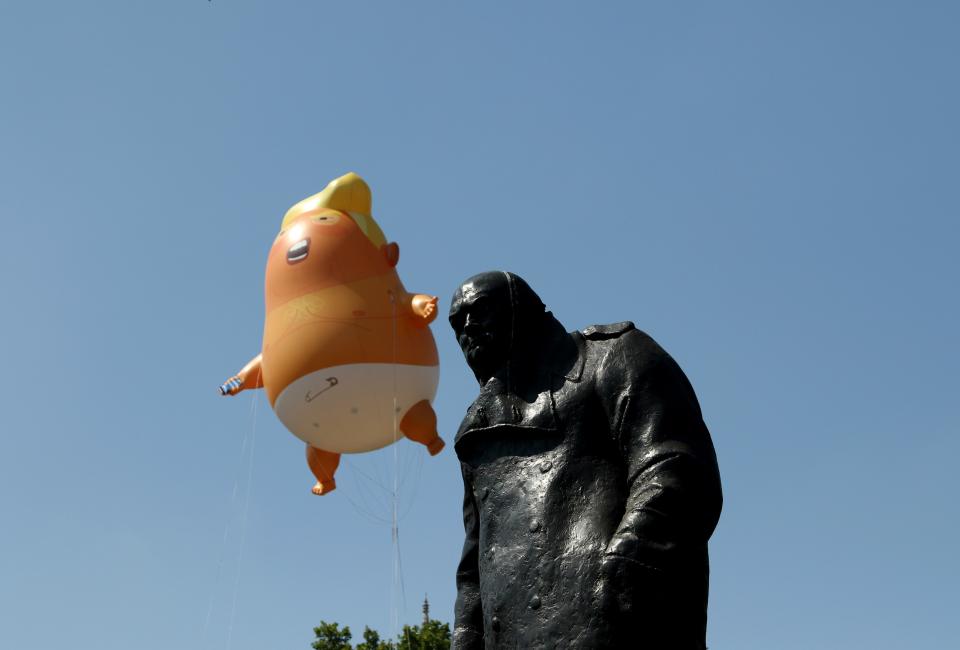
481, 317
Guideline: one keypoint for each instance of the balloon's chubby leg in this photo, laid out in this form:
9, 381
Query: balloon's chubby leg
324, 465
420, 425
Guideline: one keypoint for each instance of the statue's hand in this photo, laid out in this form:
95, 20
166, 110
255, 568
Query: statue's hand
232, 386
631, 593
607, 593
626, 588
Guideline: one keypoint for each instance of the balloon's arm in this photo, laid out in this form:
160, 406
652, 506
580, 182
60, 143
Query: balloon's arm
251, 376
421, 307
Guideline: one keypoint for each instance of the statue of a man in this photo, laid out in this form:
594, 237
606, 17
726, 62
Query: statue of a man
590, 483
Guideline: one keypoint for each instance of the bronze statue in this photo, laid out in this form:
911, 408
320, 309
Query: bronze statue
590, 483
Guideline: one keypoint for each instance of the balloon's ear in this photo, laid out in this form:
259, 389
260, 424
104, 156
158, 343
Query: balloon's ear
391, 252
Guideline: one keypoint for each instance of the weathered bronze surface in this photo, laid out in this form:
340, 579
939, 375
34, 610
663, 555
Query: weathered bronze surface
590, 483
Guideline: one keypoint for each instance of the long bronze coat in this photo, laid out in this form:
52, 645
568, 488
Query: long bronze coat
588, 505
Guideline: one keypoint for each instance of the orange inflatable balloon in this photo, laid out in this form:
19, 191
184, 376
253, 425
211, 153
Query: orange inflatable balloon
348, 361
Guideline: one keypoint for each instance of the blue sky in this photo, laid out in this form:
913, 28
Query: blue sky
769, 189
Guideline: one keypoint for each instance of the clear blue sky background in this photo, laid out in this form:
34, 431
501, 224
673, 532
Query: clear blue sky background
769, 189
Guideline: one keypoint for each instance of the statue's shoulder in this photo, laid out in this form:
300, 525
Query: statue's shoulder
604, 332
622, 338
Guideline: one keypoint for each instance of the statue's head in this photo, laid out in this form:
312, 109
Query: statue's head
492, 314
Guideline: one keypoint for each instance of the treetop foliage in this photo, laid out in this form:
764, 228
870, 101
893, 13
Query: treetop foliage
432, 635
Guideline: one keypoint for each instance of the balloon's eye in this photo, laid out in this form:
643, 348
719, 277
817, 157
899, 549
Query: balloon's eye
326, 219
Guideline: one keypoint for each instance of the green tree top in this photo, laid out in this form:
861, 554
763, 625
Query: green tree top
371, 641
331, 637
432, 635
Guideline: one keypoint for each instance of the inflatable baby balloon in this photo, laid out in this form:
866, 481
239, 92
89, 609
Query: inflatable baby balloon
348, 361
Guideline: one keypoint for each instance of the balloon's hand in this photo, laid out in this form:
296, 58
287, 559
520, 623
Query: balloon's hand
425, 307
232, 386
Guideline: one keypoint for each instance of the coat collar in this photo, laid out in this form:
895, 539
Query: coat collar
576, 371
476, 421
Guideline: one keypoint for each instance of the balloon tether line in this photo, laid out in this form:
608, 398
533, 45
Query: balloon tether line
226, 526
243, 522
249, 436
398, 593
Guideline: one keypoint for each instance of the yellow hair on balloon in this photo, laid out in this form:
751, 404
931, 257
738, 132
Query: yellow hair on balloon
349, 194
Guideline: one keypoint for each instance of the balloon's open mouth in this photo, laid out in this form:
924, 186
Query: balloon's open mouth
298, 252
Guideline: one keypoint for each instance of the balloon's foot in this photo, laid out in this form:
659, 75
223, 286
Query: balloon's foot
324, 465
420, 425
324, 488
436, 446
